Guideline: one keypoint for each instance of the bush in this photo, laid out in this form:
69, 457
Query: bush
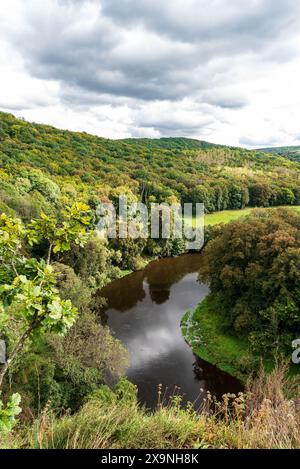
71, 286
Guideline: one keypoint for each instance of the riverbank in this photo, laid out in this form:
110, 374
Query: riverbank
144, 311
243, 257
204, 331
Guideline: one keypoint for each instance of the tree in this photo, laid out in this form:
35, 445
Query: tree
238, 196
61, 234
260, 195
285, 196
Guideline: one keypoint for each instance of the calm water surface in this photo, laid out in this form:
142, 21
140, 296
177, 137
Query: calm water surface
144, 311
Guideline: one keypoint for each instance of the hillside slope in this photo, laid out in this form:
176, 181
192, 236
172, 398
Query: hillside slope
171, 143
42, 167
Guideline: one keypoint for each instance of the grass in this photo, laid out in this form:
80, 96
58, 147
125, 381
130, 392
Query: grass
204, 330
226, 216
264, 416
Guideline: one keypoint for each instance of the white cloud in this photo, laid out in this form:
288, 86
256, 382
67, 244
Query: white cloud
199, 68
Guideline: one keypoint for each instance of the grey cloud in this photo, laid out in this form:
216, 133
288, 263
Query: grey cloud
9, 107
194, 20
225, 100
176, 128
228, 103
132, 52
258, 143
94, 65
179, 63
170, 123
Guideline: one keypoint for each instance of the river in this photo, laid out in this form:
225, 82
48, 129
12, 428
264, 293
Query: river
144, 310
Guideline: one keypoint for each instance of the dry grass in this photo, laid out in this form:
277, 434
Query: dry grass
272, 415
264, 416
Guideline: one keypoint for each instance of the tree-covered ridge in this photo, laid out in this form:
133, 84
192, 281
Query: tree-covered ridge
42, 167
171, 143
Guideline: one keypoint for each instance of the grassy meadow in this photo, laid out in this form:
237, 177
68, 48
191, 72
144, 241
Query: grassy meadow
226, 216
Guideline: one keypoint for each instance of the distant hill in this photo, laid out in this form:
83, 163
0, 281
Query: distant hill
293, 152
171, 143
42, 168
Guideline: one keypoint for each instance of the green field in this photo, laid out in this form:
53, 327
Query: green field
226, 216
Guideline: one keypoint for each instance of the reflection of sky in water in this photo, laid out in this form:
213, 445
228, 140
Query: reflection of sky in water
157, 326
150, 328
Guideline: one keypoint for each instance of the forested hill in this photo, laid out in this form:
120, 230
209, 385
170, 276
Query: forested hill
292, 152
171, 143
42, 168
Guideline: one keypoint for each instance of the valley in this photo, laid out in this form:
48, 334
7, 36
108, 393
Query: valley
139, 331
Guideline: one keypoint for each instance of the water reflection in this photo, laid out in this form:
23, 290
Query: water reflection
144, 311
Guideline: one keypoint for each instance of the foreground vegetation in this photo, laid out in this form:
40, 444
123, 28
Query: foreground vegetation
58, 351
264, 416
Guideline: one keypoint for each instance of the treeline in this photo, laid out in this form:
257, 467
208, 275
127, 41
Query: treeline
225, 195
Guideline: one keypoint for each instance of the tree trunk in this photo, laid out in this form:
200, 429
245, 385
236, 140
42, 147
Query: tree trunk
49, 254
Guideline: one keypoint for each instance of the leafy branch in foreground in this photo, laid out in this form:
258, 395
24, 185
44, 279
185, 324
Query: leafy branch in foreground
28, 295
61, 234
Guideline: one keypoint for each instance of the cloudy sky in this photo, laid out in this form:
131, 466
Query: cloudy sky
226, 71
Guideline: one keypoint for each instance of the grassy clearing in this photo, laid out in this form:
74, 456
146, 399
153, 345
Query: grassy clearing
204, 330
225, 216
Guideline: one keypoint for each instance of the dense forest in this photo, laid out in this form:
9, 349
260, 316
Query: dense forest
253, 268
43, 168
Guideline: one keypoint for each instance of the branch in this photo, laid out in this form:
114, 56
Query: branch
14, 268
19, 347
49, 254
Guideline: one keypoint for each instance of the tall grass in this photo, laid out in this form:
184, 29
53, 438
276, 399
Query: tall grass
266, 415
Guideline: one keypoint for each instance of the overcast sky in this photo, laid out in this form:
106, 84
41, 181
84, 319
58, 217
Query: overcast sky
226, 71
